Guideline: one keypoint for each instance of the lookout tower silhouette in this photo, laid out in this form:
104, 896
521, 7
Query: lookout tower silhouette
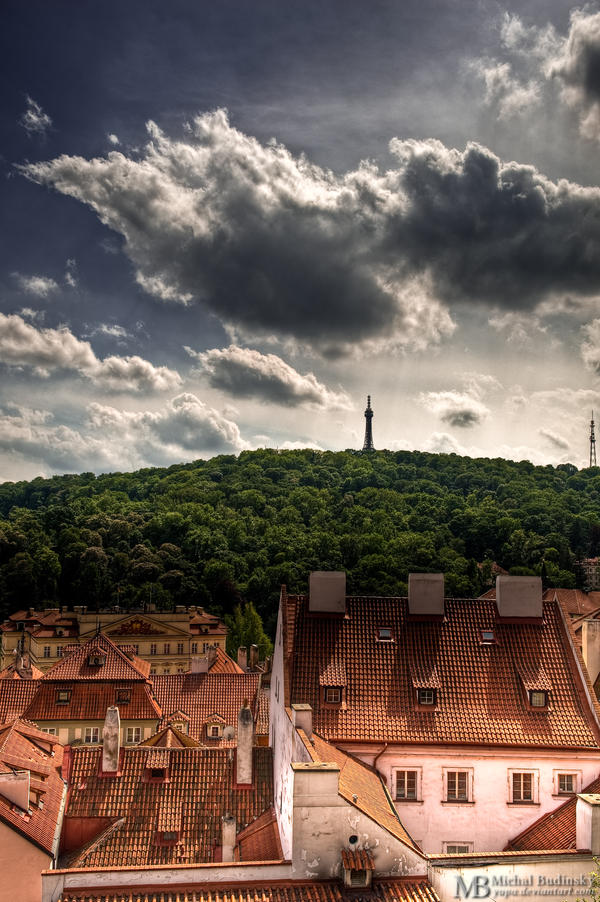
368, 442
592, 442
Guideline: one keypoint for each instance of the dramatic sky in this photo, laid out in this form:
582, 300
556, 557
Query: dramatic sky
225, 223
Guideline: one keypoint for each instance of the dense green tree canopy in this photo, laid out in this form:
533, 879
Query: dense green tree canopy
220, 531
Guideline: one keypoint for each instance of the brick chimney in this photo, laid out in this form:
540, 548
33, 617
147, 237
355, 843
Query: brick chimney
245, 745
519, 596
243, 658
14, 786
229, 833
587, 822
590, 646
327, 592
302, 718
426, 594
111, 740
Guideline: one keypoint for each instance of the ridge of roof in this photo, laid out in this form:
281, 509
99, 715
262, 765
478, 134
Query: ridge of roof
118, 666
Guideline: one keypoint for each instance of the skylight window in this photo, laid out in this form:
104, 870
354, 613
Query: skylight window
538, 698
63, 696
427, 697
488, 637
385, 634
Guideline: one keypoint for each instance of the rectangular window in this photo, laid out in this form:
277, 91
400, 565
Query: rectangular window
153, 648
50, 730
46, 651
406, 784
488, 637
333, 695
92, 735
456, 848
59, 649
63, 696
538, 699
166, 670
123, 696
181, 670
215, 732
522, 787
457, 786
194, 648
426, 697
566, 784
136, 649
167, 648
152, 671
180, 648
384, 634
134, 734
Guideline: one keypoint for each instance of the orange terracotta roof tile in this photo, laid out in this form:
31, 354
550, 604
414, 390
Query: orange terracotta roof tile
171, 737
201, 695
555, 830
480, 699
357, 860
89, 701
223, 663
21, 670
198, 790
260, 841
15, 697
399, 889
333, 674
116, 665
575, 601
25, 748
360, 785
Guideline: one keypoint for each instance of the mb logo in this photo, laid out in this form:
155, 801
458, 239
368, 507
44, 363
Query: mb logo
478, 888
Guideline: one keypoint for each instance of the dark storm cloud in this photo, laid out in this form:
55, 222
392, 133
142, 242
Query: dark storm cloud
246, 373
578, 68
459, 409
275, 245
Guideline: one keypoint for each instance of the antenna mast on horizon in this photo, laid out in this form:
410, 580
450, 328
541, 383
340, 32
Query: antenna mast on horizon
368, 442
592, 443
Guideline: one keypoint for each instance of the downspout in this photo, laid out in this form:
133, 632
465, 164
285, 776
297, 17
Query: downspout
376, 759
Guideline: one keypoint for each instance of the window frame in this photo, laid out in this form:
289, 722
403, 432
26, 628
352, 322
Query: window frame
130, 735
47, 651
91, 735
153, 648
385, 629
534, 775
417, 771
62, 697
452, 774
122, 695
424, 692
465, 847
576, 777
335, 700
537, 693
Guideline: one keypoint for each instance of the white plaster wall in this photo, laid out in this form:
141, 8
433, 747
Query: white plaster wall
559, 877
490, 822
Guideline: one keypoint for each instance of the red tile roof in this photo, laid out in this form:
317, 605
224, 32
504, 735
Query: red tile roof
357, 860
117, 666
200, 695
480, 699
399, 889
15, 697
21, 670
198, 791
360, 785
575, 601
555, 830
24, 747
90, 700
223, 663
259, 841
172, 738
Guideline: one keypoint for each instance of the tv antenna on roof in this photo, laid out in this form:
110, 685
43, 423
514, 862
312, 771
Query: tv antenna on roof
592, 442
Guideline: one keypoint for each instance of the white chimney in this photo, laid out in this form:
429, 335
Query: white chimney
426, 594
327, 592
243, 657
519, 596
199, 663
14, 786
587, 823
253, 656
229, 833
111, 739
302, 717
245, 746
590, 646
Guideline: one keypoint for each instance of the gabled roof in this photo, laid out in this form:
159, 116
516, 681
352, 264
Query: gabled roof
21, 670
201, 695
555, 830
199, 790
223, 663
172, 738
76, 666
360, 785
89, 701
480, 697
391, 889
24, 747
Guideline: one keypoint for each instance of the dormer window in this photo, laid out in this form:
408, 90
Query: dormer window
358, 867
538, 698
170, 836
63, 696
536, 686
427, 697
333, 695
96, 660
123, 696
385, 634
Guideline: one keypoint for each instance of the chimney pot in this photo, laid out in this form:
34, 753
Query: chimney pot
327, 592
253, 656
243, 657
302, 716
199, 664
229, 833
587, 822
519, 596
590, 645
245, 746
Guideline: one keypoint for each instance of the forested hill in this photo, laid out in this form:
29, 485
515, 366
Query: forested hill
201, 532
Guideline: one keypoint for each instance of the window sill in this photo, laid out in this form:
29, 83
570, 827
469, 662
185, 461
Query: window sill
564, 795
525, 804
409, 801
457, 802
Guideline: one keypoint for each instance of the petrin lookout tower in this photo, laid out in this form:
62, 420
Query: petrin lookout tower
368, 442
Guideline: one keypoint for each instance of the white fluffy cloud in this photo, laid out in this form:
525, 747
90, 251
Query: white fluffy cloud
590, 347
39, 286
34, 120
246, 373
273, 244
460, 409
48, 350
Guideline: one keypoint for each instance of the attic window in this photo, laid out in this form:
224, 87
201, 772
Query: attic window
427, 697
359, 877
96, 660
385, 634
158, 773
538, 698
333, 695
214, 730
63, 696
123, 696
488, 637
